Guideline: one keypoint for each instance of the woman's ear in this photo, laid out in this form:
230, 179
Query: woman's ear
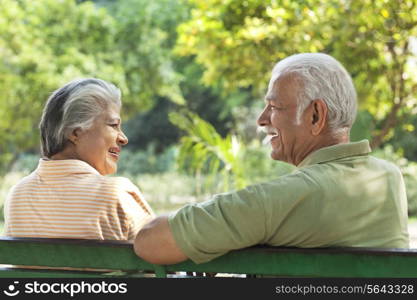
319, 117
74, 136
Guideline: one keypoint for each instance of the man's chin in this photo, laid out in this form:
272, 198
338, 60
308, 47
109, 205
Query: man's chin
275, 155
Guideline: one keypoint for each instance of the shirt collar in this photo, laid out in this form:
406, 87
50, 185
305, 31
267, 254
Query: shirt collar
64, 167
335, 152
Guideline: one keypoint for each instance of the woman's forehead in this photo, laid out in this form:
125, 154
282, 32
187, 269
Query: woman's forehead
113, 109
112, 112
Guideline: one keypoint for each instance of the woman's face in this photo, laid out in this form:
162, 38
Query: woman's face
100, 145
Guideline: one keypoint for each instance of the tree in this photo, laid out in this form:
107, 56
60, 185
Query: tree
204, 151
238, 42
43, 45
145, 36
47, 43
140, 20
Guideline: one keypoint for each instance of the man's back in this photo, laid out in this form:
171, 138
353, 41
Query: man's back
342, 200
340, 196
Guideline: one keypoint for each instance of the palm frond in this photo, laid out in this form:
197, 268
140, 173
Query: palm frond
204, 150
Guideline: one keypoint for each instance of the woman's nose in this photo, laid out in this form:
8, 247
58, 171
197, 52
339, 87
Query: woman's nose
122, 139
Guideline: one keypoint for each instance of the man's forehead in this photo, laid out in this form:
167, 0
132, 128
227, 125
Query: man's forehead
281, 84
273, 80
271, 94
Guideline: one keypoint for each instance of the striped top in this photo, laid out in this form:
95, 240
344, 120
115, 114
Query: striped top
70, 199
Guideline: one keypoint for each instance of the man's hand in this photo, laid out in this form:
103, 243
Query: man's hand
155, 243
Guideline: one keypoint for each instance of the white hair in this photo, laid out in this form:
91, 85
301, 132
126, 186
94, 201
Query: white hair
75, 105
321, 77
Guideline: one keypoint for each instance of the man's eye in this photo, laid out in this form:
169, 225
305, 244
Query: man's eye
114, 125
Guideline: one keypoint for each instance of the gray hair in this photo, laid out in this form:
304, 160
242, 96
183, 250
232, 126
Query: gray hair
75, 105
321, 77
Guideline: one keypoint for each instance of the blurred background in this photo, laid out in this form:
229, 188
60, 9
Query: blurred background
193, 76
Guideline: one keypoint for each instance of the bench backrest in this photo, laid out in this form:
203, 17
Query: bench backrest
116, 258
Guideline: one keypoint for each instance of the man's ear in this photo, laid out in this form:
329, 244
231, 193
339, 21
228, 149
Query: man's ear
74, 136
319, 116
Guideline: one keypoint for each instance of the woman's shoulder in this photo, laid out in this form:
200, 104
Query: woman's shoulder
121, 183
25, 185
24, 181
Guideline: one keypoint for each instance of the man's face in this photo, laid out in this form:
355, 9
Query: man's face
279, 119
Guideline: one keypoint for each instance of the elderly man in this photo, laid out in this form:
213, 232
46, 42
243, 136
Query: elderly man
338, 196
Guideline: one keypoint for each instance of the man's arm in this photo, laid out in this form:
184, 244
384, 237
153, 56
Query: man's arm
155, 243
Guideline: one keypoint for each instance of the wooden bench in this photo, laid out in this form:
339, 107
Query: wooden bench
91, 258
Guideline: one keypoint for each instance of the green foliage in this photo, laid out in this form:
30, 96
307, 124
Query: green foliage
409, 171
6, 182
146, 161
226, 163
145, 36
47, 43
238, 42
167, 191
224, 112
230, 45
259, 166
211, 103
410, 178
25, 163
43, 45
204, 151
152, 128
363, 126
404, 138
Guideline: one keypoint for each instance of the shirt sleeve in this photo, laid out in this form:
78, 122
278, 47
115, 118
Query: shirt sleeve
135, 207
228, 221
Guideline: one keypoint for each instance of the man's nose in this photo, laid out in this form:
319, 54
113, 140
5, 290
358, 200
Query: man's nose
263, 119
122, 139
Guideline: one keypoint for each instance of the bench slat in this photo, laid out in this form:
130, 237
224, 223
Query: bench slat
271, 261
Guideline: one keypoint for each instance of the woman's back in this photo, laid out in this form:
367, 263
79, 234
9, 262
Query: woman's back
70, 199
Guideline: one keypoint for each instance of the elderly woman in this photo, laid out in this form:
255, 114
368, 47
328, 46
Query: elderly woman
68, 195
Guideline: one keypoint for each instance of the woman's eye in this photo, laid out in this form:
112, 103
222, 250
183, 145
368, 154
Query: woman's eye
114, 125
277, 108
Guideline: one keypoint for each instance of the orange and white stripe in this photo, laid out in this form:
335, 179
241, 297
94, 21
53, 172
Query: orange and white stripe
70, 199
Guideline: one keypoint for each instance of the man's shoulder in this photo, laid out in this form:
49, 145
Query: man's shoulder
353, 162
382, 163
349, 172
298, 181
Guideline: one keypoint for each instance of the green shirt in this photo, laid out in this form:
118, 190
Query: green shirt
338, 196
